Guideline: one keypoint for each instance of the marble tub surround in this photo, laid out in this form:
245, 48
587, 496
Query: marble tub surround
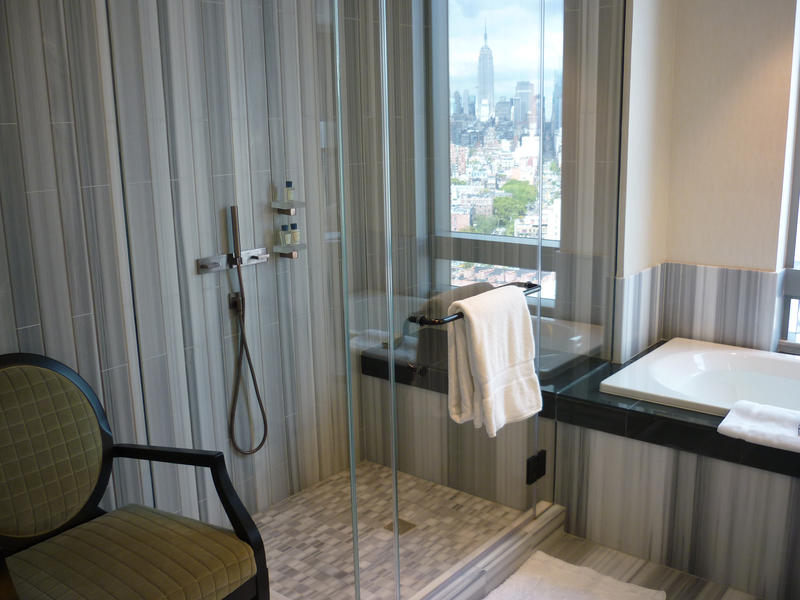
433, 447
571, 397
582, 403
714, 304
728, 523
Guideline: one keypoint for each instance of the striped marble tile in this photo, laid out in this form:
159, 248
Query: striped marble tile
714, 304
433, 447
728, 523
624, 567
638, 314
729, 306
126, 128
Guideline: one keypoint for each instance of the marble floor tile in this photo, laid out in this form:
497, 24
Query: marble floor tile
624, 567
308, 536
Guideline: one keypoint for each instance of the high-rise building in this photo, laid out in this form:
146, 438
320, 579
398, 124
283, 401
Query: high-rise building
556, 115
522, 103
469, 106
485, 101
458, 107
502, 110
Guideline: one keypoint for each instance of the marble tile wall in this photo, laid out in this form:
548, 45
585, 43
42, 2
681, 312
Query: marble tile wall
592, 75
126, 129
65, 256
638, 314
433, 447
715, 304
729, 523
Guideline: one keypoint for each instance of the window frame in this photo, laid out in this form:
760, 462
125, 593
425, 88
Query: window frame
791, 274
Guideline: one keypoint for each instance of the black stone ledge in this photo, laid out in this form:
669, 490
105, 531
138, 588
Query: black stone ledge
574, 397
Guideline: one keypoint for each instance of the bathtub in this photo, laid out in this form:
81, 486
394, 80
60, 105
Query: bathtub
709, 377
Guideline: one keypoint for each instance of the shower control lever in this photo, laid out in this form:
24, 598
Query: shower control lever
223, 262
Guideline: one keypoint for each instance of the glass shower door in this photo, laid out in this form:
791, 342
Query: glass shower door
468, 194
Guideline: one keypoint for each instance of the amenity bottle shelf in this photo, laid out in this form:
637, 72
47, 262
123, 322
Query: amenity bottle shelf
288, 251
287, 208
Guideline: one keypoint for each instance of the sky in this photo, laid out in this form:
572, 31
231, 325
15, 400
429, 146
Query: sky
513, 27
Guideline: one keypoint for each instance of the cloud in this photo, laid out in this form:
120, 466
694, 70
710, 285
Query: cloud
513, 35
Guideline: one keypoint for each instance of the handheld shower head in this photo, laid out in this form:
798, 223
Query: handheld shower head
233, 234
244, 348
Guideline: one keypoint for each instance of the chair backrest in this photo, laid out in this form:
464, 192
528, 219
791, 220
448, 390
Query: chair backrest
55, 446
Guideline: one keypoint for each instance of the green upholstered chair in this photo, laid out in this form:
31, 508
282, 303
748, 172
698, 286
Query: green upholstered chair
56, 454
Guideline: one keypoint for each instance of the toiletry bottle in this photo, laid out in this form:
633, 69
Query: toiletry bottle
289, 192
285, 235
295, 234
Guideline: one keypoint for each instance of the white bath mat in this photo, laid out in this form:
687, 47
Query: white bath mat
543, 577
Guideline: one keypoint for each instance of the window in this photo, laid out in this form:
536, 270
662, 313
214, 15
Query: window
504, 139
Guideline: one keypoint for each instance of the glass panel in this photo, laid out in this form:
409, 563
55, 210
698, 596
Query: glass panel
374, 322
442, 192
466, 273
458, 488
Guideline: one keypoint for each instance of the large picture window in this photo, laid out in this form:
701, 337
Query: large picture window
505, 135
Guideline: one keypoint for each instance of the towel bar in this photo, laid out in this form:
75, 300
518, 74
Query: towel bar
422, 320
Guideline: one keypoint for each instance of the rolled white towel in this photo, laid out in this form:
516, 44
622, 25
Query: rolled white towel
763, 424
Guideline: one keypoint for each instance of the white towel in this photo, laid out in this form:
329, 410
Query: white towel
763, 424
547, 578
491, 376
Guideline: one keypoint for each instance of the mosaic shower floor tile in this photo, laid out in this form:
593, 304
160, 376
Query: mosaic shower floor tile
309, 540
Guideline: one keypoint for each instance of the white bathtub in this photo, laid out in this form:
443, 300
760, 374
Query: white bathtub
709, 377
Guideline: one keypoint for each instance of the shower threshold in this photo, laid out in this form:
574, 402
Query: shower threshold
308, 537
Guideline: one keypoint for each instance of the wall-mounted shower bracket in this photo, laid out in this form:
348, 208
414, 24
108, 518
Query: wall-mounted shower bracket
235, 301
223, 262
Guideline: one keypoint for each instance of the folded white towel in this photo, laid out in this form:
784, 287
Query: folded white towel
544, 577
491, 375
763, 424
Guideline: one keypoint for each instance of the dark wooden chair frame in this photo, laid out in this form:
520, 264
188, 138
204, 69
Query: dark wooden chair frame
255, 588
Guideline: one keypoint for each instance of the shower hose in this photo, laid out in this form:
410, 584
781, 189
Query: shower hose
244, 351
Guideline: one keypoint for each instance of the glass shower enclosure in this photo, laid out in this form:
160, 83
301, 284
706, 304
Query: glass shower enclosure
456, 178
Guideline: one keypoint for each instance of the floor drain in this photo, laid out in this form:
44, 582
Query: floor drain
402, 526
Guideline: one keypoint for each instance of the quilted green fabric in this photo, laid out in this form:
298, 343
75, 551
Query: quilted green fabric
50, 450
134, 553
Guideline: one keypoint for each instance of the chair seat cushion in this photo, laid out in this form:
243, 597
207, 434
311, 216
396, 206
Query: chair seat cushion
134, 553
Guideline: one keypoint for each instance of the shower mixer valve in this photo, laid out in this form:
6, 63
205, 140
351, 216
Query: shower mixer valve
223, 262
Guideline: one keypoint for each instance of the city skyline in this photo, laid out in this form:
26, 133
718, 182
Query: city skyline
514, 51
505, 157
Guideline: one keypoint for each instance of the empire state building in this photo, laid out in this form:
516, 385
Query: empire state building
485, 100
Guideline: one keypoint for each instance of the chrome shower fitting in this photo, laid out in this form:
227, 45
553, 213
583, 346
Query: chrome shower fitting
236, 259
237, 303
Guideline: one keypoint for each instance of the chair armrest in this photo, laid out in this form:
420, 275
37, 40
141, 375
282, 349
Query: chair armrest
7, 589
240, 519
